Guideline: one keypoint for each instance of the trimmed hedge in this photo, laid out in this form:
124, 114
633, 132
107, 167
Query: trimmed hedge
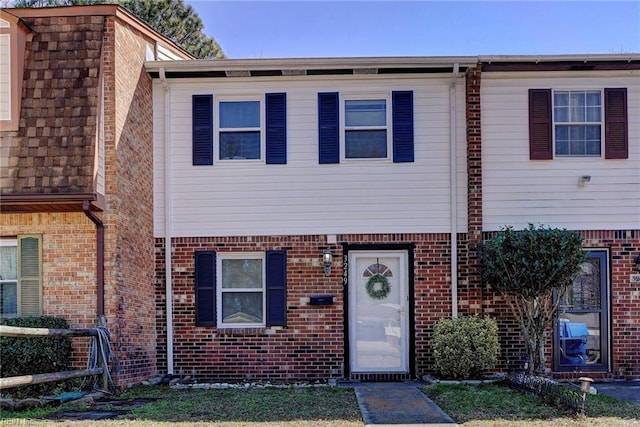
551, 391
464, 347
36, 355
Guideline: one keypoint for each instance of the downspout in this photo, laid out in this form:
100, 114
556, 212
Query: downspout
86, 207
167, 221
453, 179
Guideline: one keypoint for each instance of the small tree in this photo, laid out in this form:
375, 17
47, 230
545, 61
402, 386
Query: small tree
527, 267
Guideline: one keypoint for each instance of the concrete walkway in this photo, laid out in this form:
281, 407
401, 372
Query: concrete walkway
624, 390
398, 404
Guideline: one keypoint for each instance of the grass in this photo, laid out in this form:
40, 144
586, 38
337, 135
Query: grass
497, 405
275, 407
469, 405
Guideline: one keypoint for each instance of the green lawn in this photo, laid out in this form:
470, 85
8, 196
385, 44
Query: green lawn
273, 407
469, 405
497, 405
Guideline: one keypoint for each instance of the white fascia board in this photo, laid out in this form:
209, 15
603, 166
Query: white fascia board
310, 63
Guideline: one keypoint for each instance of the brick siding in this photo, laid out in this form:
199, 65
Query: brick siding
312, 345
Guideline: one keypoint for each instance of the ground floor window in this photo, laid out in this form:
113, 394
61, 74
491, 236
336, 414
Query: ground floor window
20, 276
581, 338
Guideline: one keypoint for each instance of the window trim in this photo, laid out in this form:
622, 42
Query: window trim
343, 128
219, 290
555, 123
218, 129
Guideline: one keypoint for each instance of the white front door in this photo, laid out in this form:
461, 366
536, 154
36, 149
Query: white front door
378, 311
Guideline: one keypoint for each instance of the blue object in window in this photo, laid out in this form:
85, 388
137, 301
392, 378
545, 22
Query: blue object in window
576, 329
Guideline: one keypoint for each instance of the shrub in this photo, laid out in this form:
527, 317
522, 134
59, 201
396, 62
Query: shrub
464, 347
37, 355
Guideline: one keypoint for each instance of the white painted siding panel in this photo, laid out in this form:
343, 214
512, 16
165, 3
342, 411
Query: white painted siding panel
518, 191
304, 197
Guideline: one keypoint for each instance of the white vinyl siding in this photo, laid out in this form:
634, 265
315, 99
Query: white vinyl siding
517, 191
303, 196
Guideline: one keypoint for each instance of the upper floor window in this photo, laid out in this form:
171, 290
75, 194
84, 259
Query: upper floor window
365, 128
577, 117
239, 130
578, 123
365, 124
251, 129
13, 36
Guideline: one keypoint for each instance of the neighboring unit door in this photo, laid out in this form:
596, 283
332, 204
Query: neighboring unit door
378, 311
581, 339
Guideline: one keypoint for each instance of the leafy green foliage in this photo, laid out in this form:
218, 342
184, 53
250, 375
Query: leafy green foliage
35, 355
174, 19
463, 347
528, 267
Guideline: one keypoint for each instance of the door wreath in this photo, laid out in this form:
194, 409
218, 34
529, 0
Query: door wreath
378, 287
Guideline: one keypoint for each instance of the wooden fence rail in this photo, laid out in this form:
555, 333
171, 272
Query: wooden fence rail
15, 331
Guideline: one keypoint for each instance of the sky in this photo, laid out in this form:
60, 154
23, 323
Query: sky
318, 28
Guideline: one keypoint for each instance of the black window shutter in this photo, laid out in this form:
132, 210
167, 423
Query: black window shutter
202, 112
403, 147
276, 266
540, 122
205, 266
276, 123
616, 143
328, 128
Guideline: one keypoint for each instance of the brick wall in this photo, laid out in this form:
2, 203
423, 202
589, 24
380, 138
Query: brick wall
68, 268
312, 345
469, 287
129, 297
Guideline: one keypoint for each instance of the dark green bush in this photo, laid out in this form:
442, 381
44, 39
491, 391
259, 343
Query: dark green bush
37, 355
464, 347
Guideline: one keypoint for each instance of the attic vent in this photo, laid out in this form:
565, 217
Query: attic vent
582, 67
329, 72
265, 73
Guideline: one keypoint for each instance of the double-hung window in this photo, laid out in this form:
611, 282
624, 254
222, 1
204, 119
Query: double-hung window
20, 276
365, 129
239, 135
242, 289
244, 129
578, 123
577, 117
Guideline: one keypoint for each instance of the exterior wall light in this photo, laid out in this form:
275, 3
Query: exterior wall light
327, 259
637, 261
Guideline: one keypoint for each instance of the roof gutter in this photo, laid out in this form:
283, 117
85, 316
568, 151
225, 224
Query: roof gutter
86, 207
167, 221
453, 179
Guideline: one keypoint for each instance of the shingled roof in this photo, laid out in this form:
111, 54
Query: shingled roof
53, 150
